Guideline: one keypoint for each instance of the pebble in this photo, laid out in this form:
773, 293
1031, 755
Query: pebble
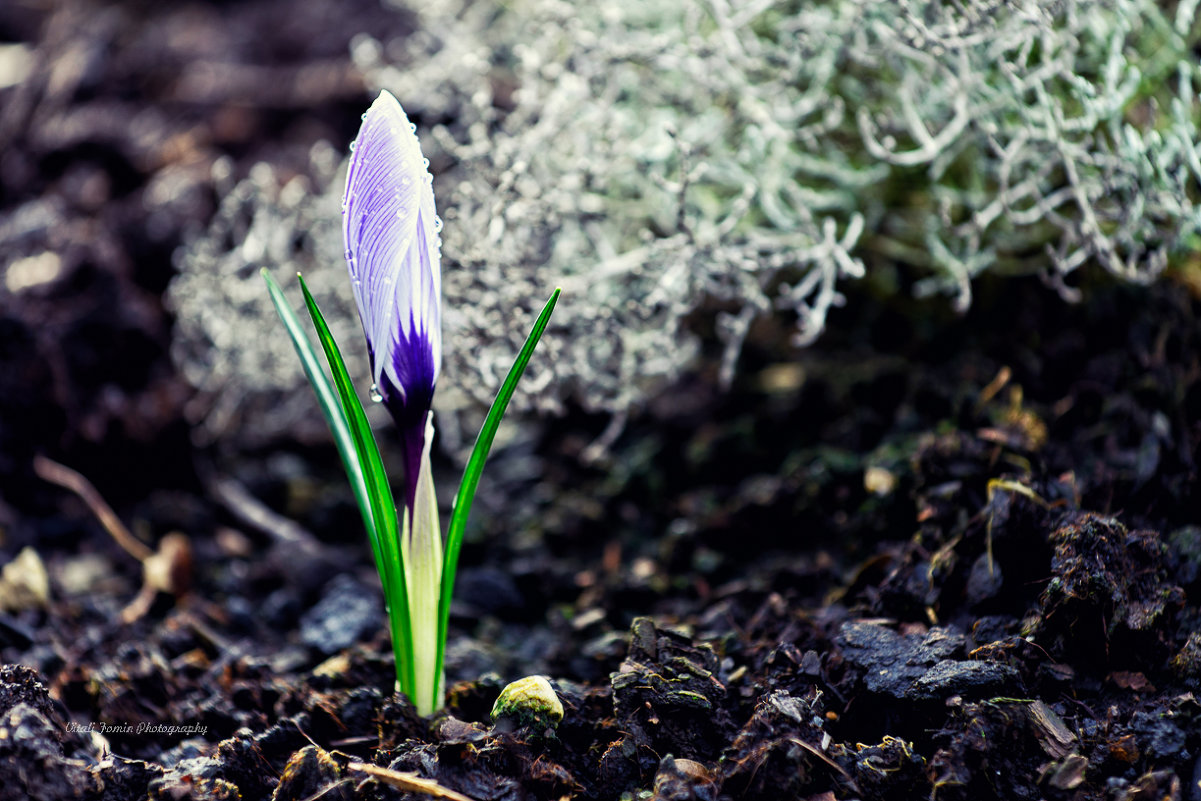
917, 667
530, 701
348, 614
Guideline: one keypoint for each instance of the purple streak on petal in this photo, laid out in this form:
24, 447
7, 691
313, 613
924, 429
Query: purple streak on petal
408, 390
392, 251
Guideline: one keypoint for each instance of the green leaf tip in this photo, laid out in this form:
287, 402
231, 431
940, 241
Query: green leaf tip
475, 466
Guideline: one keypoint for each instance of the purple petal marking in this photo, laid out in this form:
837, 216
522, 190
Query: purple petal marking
390, 227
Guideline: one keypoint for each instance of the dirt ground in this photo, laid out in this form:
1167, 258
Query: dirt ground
932, 556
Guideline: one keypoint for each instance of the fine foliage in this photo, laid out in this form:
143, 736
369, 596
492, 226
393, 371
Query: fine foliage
719, 162
758, 154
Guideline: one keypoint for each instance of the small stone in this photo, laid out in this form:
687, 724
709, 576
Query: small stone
969, 679
346, 615
529, 702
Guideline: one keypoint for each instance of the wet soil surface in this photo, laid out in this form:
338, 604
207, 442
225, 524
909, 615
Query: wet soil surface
931, 557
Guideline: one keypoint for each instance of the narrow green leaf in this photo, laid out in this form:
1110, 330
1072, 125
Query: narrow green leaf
475, 466
379, 491
327, 400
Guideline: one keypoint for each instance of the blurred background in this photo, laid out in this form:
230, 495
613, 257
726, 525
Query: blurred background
790, 235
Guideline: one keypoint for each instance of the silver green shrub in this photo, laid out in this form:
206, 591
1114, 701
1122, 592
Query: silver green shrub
227, 338
739, 159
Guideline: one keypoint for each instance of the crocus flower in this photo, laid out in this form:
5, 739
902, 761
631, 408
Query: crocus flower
391, 234
392, 250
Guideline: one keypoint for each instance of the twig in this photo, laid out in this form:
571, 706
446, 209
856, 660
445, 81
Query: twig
253, 512
996, 385
817, 752
65, 477
409, 782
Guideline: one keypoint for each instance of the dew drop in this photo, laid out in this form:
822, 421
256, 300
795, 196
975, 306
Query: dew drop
425, 163
437, 223
376, 395
364, 116
413, 127
352, 144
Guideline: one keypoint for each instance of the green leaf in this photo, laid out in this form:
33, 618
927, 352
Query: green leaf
475, 466
327, 399
379, 492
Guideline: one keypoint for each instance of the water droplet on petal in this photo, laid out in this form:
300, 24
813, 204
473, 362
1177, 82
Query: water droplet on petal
364, 116
413, 127
437, 223
352, 144
376, 395
425, 163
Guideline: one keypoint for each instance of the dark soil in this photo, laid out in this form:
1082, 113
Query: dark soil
931, 557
